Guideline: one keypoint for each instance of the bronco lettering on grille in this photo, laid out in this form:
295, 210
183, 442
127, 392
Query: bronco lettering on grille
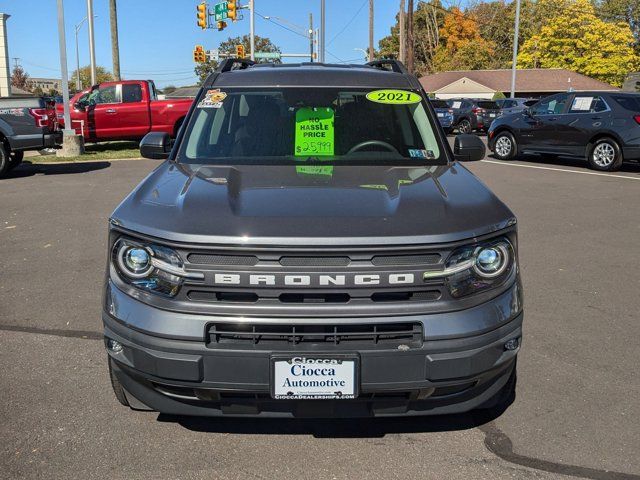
321, 280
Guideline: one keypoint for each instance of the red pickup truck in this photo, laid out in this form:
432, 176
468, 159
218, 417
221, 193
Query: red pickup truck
125, 110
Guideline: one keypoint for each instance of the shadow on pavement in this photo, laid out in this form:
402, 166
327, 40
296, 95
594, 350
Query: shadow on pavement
552, 160
27, 169
337, 427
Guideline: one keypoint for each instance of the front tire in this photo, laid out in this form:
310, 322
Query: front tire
605, 155
15, 159
505, 146
5, 158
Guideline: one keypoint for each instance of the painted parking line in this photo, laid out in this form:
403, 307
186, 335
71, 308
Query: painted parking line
610, 175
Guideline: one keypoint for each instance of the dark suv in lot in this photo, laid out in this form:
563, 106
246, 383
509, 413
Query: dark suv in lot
602, 127
470, 115
314, 251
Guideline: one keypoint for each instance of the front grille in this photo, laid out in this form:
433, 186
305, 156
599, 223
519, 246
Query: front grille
226, 260
388, 260
315, 261
313, 282
377, 335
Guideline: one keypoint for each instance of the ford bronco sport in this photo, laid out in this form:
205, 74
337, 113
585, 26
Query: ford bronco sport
312, 247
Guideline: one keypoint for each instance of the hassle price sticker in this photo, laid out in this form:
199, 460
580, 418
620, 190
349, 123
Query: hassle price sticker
314, 132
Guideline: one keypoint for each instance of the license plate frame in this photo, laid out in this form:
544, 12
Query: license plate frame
353, 358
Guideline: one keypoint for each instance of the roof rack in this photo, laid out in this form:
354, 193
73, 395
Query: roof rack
229, 64
384, 64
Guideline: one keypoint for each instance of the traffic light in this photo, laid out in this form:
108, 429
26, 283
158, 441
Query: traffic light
220, 25
232, 7
240, 51
202, 15
199, 56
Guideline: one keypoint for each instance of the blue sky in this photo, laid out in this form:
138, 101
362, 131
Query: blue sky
157, 36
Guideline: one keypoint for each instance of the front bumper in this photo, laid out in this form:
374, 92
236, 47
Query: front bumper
448, 373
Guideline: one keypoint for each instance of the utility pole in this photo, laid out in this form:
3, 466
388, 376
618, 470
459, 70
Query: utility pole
252, 30
63, 67
92, 47
115, 48
72, 144
322, 30
371, 55
516, 33
410, 36
402, 53
311, 35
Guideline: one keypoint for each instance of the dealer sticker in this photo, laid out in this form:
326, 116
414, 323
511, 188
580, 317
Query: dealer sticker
314, 132
212, 99
394, 97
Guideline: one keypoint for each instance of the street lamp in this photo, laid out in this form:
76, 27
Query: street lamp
78, 26
366, 54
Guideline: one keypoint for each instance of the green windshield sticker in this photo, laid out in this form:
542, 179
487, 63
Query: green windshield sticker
393, 97
314, 170
314, 132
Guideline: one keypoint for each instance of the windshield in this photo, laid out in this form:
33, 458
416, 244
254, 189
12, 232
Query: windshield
310, 125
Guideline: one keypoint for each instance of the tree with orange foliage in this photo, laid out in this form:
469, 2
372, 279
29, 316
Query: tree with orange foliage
461, 45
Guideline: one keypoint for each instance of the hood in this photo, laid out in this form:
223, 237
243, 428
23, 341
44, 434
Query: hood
312, 205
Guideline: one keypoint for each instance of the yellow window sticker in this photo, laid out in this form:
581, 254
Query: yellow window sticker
314, 132
394, 97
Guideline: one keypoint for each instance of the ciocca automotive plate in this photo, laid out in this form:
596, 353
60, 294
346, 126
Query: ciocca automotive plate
314, 377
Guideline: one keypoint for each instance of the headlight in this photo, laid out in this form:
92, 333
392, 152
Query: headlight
476, 268
149, 267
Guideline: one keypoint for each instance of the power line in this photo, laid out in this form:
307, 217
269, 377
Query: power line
348, 23
280, 25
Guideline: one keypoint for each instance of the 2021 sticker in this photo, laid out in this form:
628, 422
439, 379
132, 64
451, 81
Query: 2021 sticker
394, 97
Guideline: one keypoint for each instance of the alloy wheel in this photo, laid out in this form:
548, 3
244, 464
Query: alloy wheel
464, 127
604, 154
503, 146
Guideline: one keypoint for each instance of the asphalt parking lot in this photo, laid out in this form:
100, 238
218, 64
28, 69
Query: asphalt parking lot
576, 414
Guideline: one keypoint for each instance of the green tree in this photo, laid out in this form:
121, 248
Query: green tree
627, 11
576, 39
263, 44
102, 75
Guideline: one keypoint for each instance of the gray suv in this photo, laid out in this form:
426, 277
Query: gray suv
471, 115
314, 251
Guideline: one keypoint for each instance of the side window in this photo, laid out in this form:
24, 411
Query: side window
551, 106
587, 104
131, 93
103, 95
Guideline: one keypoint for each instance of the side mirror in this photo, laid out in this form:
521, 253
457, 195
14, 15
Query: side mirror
80, 106
468, 148
156, 145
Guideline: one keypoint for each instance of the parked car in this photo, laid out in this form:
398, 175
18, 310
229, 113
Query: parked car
125, 110
444, 113
603, 127
514, 105
312, 247
471, 115
25, 124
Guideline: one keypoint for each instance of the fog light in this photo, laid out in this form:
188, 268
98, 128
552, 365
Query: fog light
512, 344
114, 346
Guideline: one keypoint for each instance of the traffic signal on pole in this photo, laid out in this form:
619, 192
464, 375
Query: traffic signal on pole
198, 54
221, 25
202, 15
240, 51
232, 7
